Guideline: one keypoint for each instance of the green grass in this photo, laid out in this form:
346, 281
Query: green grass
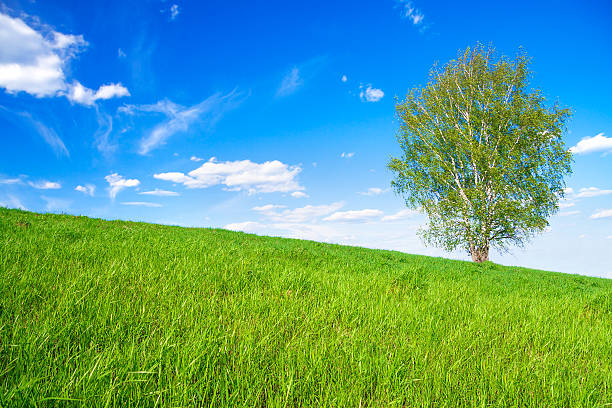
111, 313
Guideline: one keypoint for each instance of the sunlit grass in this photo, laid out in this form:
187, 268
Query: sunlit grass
100, 313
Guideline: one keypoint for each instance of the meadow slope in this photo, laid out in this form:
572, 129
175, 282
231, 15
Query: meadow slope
112, 313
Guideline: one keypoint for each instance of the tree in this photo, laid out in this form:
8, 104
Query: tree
483, 155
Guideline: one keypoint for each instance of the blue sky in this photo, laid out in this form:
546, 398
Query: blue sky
278, 118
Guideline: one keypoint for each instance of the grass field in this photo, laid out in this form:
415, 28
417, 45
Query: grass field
110, 313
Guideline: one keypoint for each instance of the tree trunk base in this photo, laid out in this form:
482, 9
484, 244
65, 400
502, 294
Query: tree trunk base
479, 255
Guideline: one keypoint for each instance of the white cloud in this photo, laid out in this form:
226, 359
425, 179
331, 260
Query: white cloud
374, 191
290, 83
400, 215
347, 155
45, 185
299, 194
196, 159
565, 204
592, 192
141, 204
344, 78
35, 62
121, 53
598, 143
568, 190
243, 175
354, 215
160, 193
174, 11
48, 134
370, 94
117, 183
602, 214
298, 215
180, 118
87, 189
85, 96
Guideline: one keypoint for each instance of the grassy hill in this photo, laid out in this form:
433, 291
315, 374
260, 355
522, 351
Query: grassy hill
111, 313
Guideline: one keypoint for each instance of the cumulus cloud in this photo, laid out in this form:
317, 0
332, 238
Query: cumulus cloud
592, 192
79, 94
87, 189
347, 155
160, 193
299, 194
196, 159
247, 226
179, 118
370, 94
291, 82
344, 78
354, 215
35, 62
602, 214
117, 183
141, 204
243, 175
45, 185
597, 143
400, 215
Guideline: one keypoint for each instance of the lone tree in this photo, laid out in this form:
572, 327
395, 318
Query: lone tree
483, 156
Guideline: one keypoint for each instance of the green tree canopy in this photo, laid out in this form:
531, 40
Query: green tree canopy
483, 154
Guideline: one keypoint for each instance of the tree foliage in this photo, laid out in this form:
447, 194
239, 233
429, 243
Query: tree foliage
483, 154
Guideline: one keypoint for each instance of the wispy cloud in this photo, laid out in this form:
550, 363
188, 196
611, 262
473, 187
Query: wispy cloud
16, 180
243, 175
347, 155
290, 83
12, 202
568, 213
45, 185
400, 215
180, 118
160, 193
196, 159
602, 214
297, 215
411, 13
174, 11
355, 215
369, 94
592, 192
117, 183
374, 191
598, 143
56, 204
141, 204
87, 189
